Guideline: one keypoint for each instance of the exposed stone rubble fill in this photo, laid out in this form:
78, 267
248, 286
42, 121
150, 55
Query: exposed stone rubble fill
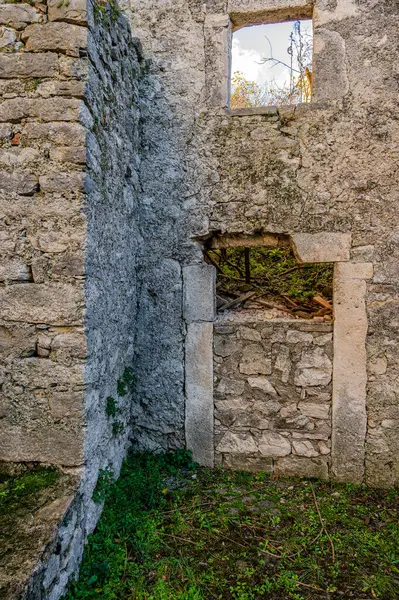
273, 395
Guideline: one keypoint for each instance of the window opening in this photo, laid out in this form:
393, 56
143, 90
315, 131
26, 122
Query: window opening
261, 277
272, 65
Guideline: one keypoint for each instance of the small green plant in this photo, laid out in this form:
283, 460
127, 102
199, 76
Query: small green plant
107, 12
117, 428
126, 382
33, 84
104, 483
111, 407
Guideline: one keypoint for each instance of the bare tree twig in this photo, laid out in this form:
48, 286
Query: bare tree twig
323, 526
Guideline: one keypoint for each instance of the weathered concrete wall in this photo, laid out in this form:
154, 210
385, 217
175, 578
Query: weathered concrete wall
273, 394
325, 167
69, 124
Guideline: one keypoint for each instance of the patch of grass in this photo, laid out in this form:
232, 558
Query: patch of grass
171, 530
14, 490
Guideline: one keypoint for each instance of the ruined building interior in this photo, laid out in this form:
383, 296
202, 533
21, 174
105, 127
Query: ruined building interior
121, 164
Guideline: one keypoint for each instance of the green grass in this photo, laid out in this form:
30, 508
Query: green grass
170, 530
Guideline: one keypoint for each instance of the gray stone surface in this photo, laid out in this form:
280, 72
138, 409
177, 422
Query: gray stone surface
199, 392
350, 376
321, 247
199, 293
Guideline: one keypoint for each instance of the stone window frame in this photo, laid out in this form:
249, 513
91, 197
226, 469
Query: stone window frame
349, 416
330, 81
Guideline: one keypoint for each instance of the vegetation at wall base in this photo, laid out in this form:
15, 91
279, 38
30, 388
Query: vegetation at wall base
171, 530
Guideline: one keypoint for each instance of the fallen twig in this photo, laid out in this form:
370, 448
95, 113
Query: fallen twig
312, 587
176, 537
323, 302
239, 300
323, 526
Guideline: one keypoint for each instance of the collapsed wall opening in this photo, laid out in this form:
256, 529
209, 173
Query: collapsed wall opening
255, 276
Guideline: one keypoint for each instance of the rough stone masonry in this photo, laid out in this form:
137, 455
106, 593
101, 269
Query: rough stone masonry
119, 158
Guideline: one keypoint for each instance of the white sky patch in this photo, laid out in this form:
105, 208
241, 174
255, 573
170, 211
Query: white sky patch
246, 61
251, 44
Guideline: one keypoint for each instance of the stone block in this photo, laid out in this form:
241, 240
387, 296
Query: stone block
199, 283
237, 443
322, 340
349, 417
315, 411
69, 12
18, 15
254, 361
314, 368
51, 109
73, 67
28, 65
9, 42
299, 337
51, 240
262, 383
217, 32
72, 89
273, 444
56, 37
54, 304
66, 405
73, 342
257, 12
353, 271
224, 346
321, 247
304, 448
27, 184
62, 182
199, 392
261, 464
250, 334
16, 340
44, 444
69, 264
297, 466
61, 134
283, 363
329, 66
69, 154
14, 269
37, 373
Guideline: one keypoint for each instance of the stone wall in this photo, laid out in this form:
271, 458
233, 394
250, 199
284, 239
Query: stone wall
326, 167
69, 126
273, 394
